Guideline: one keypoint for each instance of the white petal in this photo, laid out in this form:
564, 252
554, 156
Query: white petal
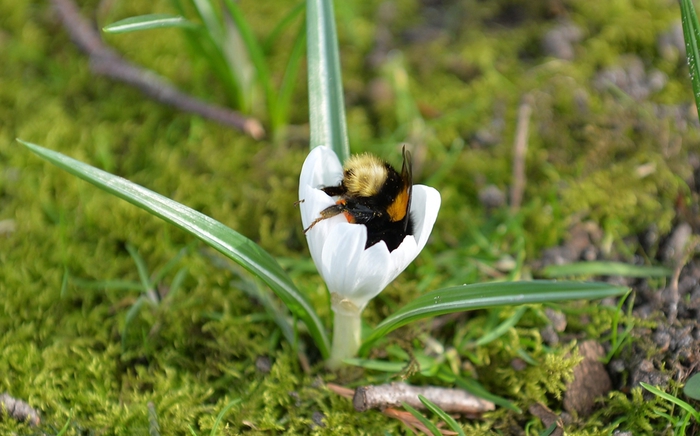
373, 274
425, 204
341, 255
321, 168
403, 255
313, 202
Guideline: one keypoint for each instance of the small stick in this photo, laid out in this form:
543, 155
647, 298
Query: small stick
391, 395
519, 152
104, 61
19, 410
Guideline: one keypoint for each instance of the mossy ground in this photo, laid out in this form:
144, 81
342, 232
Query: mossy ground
594, 155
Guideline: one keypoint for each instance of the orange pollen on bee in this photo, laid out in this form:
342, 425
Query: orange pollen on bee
397, 209
349, 217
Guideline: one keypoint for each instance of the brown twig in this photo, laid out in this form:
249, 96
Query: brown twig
106, 62
449, 400
406, 417
519, 152
19, 410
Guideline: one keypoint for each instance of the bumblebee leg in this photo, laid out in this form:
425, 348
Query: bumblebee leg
326, 213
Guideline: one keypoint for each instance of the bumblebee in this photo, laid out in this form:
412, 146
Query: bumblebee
373, 193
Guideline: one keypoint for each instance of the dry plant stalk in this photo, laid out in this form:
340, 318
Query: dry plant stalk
104, 61
519, 152
392, 395
19, 410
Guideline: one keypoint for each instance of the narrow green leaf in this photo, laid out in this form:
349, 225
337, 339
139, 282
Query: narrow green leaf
222, 414
450, 421
121, 285
597, 268
326, 102
502, 328
419, 416
677, 401
130, 315
483, 295
64, 429
147, 22
64, 282
280, 116
269, 42
176, 284
140, 266
549, 430
230, 243
162, 271
255, 51
377, 365
692, 387
691, 34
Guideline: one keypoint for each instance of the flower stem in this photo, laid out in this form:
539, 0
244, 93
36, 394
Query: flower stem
346, 336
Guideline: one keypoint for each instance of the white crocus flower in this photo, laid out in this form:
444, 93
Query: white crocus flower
354, 275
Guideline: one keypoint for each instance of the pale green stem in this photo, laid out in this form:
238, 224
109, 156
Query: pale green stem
347, 327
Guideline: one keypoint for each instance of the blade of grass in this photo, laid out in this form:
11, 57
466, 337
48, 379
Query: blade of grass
223, 239
677, 401
162, 271
419, 416
255, 51
140, 266
691, 34
450, 421
130, 315
605, 269
147, 22
482, 295
283, 23
502, 328
280, 115
121, 285
549, 430
326, 103
222, 413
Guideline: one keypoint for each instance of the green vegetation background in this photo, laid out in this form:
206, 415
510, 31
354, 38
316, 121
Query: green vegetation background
594, 154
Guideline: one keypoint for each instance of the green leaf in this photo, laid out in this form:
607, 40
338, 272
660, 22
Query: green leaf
691, 34
677, 401
222, 414
605, 269
502, 328
450, 421
549, 430
483, 295
255, 51
225, 240
692, 387
326, 104
147, 22
429, 425
141, 267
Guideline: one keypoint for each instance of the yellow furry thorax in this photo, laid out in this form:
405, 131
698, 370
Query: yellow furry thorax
364, 174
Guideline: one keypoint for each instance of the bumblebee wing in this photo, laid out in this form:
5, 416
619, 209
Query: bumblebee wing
407, 182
